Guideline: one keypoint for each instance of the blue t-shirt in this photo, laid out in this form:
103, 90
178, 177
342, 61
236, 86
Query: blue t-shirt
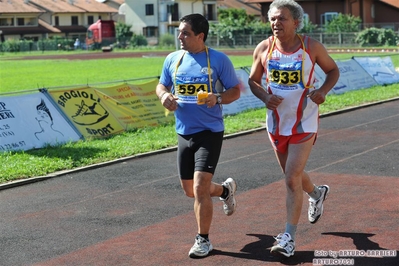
192, 75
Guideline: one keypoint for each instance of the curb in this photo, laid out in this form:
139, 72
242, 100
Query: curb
31, 180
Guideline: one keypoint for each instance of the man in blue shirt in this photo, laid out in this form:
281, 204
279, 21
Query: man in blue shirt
199, 123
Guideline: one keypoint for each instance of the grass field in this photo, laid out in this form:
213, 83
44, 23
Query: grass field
21, 75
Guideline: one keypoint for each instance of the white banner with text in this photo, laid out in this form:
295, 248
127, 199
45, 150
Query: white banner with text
31, 121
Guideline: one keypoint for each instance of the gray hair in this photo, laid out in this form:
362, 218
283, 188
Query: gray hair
295, 9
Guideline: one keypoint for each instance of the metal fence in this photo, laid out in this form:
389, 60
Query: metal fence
237, 41
328, 39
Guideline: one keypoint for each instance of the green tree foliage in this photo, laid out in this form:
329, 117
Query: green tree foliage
377, 37
123, 33
235, 22
259, 27
344, 23
308, 27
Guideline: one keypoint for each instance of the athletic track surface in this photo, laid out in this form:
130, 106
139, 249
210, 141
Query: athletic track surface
133, 212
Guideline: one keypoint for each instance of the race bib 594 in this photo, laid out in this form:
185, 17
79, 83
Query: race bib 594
191, 89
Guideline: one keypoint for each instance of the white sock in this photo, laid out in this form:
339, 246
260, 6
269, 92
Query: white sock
315, 194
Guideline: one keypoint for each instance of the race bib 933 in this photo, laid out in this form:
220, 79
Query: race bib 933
284, 77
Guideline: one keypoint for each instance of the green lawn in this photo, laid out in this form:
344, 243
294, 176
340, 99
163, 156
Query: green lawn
20, 75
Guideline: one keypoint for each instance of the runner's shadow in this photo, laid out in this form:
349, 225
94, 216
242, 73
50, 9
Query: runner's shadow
260, 250
360, 240
363, 243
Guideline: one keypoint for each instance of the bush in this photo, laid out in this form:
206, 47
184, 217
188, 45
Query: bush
377, 37
308, 27
55, 44
167, 40
138, 40
10, 46
258, 27
52, 44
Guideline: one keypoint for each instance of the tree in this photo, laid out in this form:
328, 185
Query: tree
123, 33
234, 23
344, 23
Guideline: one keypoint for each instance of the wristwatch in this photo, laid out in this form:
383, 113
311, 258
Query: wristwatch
219, 98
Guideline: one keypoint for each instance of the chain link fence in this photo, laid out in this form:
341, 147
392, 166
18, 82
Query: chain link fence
243, 41
237, 41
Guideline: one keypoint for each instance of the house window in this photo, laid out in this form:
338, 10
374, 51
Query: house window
56, 20
210, 13
150, 31
74, 20
3, 22
90, 20
20, 21
306, 18
173, 10
149, 9
327, 17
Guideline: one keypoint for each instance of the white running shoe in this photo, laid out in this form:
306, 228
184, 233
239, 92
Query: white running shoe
285, 245
201, 247
229, 203
315, 210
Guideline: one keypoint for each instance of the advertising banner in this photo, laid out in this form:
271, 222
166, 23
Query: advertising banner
381, 69
247, 99
135, 105
87, 112
352, 77
31, 121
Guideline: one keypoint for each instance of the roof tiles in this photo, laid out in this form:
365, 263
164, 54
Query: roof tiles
93, 6
17, 6
56, 6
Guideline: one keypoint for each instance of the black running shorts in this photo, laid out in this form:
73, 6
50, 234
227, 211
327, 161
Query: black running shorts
198, 152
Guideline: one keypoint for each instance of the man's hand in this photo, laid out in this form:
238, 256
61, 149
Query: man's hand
317, 96
169, 101
272, 101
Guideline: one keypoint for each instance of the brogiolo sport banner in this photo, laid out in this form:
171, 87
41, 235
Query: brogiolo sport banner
134, 105
31, 121
87, 112
100, 112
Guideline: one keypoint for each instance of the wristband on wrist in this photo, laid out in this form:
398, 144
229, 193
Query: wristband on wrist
163, 94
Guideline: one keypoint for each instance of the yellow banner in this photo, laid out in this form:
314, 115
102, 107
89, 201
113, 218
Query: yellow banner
135, 105
101, 112
86, 110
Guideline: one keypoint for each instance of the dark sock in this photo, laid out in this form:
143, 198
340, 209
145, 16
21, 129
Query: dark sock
206, 236
225, 193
